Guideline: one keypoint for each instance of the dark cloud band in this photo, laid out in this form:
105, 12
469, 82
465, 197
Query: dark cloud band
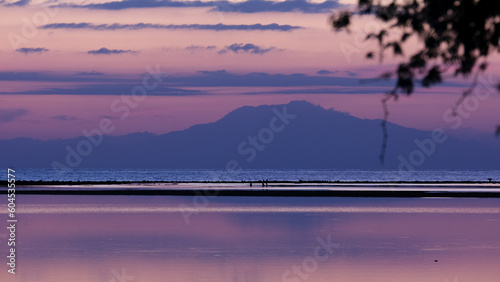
246, 48
179, 85
26, 50
249, 6
106, 51
139, 26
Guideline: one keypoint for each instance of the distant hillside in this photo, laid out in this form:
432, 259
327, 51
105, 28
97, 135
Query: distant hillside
296, 135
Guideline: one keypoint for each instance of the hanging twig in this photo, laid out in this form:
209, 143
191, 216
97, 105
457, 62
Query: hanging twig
385, 135
466, 93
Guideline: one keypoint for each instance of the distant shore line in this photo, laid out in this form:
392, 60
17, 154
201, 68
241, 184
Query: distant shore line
400, 189
4, 183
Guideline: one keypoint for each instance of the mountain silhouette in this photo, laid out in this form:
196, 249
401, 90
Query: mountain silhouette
298, 135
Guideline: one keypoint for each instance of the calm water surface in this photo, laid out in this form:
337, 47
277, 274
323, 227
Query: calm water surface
134, 238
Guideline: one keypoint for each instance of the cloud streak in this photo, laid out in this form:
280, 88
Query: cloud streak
246, 48
140, 26
123, 88
26, 50
325, 72
338, 73
193, 48
237, 48
58, 77
179, 85
221, 78
106, 51
256, 6
249, 6
20, 3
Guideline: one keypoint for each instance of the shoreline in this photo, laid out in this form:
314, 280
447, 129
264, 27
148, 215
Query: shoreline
270, 189
4, 183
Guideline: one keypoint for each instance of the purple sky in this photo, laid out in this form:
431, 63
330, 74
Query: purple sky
65, 67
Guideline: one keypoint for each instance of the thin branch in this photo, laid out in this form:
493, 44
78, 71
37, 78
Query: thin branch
466, 93
385, 135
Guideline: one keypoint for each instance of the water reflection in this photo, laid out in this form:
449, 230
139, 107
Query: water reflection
95, 238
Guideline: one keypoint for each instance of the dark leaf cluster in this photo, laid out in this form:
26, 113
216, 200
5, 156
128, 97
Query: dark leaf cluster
455, 34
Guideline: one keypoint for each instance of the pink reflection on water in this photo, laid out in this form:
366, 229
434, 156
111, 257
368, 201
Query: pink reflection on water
258, 246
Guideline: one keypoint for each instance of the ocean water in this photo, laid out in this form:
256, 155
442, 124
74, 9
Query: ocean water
253, 239
248, 239
252, 175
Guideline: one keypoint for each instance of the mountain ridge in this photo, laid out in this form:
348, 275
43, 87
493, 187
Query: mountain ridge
297, 135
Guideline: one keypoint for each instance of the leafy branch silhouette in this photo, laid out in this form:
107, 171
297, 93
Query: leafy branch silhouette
457, 35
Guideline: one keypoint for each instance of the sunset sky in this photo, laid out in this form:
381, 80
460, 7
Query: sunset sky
65, 65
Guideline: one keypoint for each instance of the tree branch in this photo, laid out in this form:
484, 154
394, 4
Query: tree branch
385, 135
